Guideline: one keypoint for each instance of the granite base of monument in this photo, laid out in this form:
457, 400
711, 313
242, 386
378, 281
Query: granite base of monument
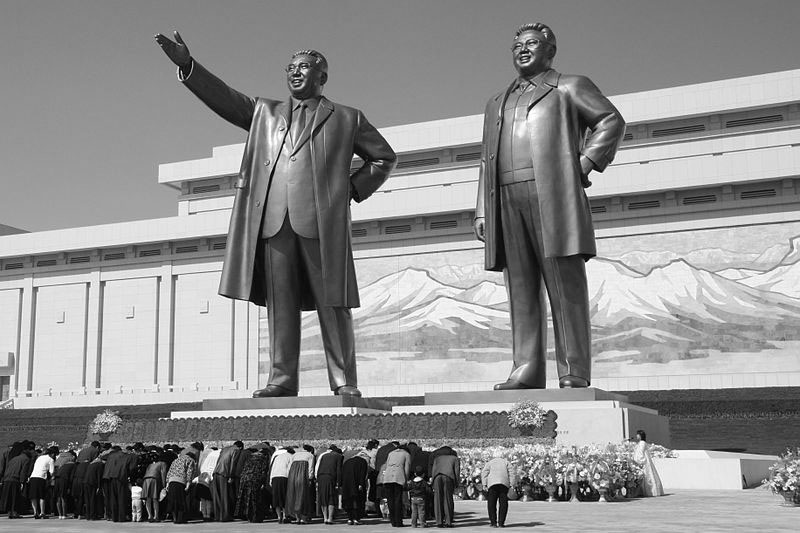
288, 406
585, 416
298, 402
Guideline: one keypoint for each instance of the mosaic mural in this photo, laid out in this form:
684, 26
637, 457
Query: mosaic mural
703, 301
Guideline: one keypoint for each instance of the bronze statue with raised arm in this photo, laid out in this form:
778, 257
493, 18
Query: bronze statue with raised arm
542, 136
289, 242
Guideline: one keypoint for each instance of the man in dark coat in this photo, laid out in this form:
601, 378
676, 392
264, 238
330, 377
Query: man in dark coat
355, 471
446, 474
90, 453
289, 238
4, 458
329, 474
17, 472
92, 485
224, 497
116, 475
532, 211
85, 457
78, 498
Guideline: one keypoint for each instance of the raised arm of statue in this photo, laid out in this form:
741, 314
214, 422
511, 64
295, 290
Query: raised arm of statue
230, 104
176, 50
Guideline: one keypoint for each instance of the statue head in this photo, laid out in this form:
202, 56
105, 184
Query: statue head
534, 49
306, 73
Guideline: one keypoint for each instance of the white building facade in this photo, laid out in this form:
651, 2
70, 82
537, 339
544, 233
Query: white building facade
696, 284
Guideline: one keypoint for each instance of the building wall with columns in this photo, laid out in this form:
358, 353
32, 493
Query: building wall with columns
695, 284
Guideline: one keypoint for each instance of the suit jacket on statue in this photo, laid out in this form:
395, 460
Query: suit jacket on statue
336, 134
563, 108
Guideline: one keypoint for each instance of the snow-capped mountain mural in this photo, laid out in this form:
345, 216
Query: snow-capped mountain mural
649, 307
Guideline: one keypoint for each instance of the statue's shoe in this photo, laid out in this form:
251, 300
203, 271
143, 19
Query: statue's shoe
513, 385
347, 390
273, 391
572, 382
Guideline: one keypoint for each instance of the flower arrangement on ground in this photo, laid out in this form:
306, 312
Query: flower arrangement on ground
472, 461
548, 474
106, 422
601, 477
542, 466
784, 478
575, 468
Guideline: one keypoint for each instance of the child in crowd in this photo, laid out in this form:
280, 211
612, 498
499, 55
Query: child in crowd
417, 491
136, 500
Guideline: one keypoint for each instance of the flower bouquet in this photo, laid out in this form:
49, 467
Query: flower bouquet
784, 478
474, 487
601, 478
548, 476
575, 473
526, 416
525, 488
105, 423
472, 463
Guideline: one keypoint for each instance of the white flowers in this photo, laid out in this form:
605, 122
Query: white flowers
785, 474
526, 414
106, 422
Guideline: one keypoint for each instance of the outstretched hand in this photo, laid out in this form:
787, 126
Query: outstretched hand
176, 51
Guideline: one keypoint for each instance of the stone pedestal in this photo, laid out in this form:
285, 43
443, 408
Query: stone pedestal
585, 416
288, 406
712, 470
298, 402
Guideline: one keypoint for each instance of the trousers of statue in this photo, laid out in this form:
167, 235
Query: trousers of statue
293, 266
528, 275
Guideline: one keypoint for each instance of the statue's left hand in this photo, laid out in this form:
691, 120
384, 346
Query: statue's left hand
586, 167
479, 227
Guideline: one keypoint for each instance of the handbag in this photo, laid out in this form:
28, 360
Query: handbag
162, 495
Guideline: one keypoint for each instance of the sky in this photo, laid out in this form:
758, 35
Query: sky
90, 105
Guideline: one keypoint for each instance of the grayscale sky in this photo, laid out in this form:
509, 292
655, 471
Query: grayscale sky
89, 105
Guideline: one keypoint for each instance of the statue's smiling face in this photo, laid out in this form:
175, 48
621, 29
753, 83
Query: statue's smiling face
304, 77
532, 54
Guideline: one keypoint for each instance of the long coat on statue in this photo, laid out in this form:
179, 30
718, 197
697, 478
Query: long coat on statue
568, 117
336, 134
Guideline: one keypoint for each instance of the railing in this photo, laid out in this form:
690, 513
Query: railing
155, 389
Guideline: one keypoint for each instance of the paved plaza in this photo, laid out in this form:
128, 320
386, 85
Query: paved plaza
689, 511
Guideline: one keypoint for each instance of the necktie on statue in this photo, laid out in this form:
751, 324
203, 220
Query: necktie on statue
298, 123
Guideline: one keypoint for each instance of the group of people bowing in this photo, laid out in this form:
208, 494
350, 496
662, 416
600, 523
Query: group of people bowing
291, 484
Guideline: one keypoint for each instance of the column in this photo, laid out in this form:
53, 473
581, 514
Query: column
92, 357
166, 327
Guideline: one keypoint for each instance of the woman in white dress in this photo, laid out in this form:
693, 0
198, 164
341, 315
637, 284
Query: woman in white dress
651, 485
